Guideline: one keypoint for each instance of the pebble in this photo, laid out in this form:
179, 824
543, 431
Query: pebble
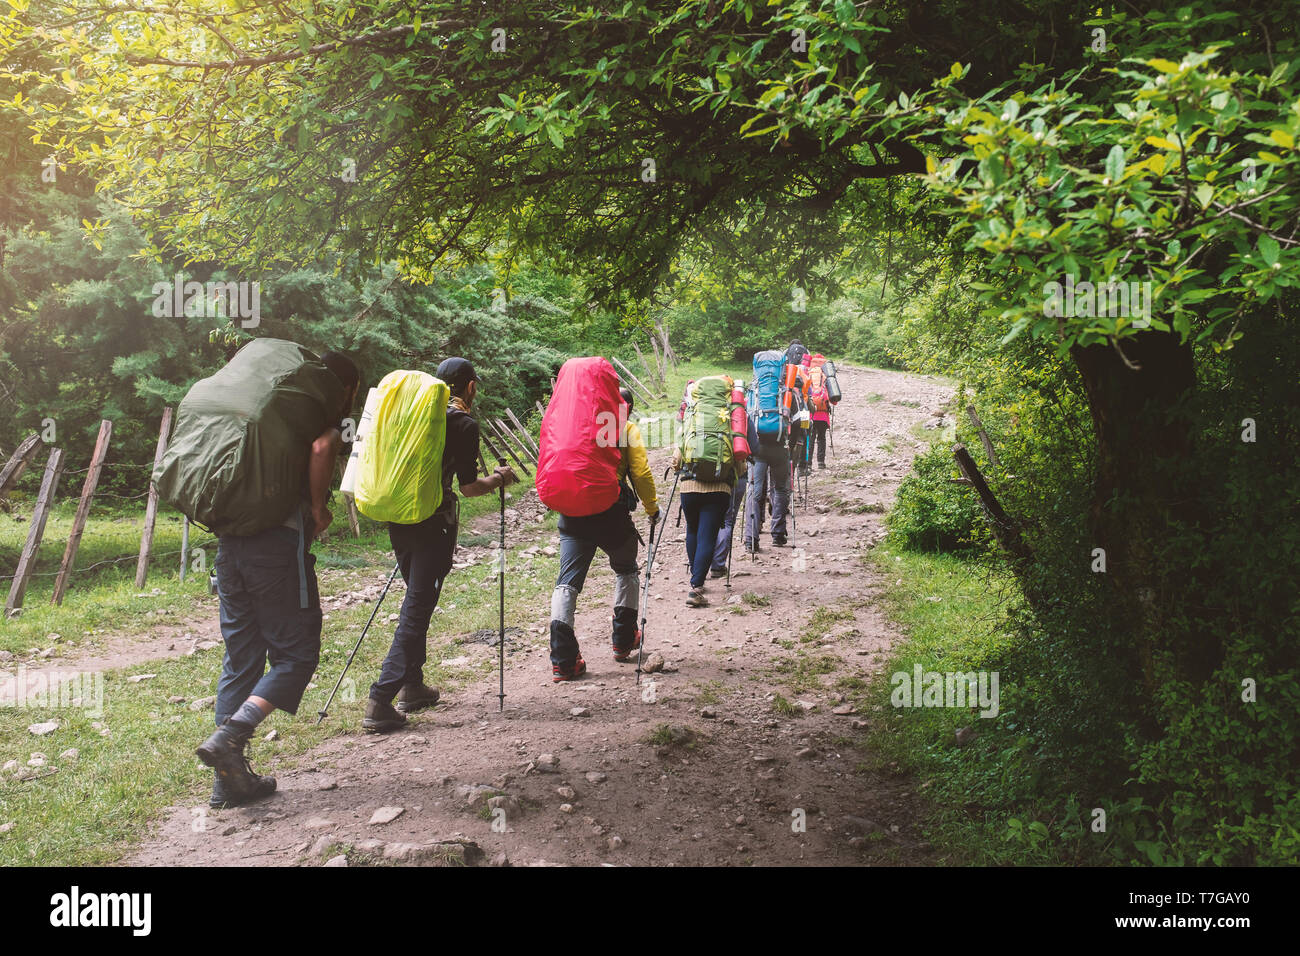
579, 712
318, 823
37, 760
40, 730
272, 735
708, 713
615, 842
72, 753
653, 662
230, 830
566, 808
136, 678
595, 776
843, 710
202, 703
340, 860
328, 784
386, 815
175, 699
568, 793
806, 753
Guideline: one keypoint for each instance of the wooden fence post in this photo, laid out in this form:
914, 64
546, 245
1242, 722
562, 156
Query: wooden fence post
27, 561
984, 436
528, 439
83, 510
151, 509
633, 380
17, 464
1004, 527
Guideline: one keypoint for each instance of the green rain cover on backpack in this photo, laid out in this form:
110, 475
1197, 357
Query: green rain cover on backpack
400, 478
706, 433
237, 461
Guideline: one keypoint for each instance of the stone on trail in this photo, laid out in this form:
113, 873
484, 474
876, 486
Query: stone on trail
843, 710
806, 706
323, 843
40, 730
547, 763
203, 703
579, 712
340, 860
318, 823
567, 792
566, 808
72, 753
506, 803
653, 662
595, 776
175, 699
615, 842
806, 753
386, 815
708, 713
329, 783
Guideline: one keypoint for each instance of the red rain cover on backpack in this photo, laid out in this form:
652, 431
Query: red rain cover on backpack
577, 474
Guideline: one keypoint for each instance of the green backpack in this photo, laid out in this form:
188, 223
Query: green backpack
237, 461
706, 433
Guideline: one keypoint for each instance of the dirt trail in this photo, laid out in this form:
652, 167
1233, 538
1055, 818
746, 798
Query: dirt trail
728, 784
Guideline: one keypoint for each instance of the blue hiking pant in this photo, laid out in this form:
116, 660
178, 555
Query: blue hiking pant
771, 468
705, 513
259, 579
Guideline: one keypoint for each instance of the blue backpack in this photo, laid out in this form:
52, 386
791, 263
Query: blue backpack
765, 397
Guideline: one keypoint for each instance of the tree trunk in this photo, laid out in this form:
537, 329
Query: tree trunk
1144, 489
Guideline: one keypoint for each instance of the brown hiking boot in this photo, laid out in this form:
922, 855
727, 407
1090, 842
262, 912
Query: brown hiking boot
696, 598
381, 718
415, 697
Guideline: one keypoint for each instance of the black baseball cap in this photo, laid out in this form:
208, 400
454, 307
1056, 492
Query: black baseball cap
457, 372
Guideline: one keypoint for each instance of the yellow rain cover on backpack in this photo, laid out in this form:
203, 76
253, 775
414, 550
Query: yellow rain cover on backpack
400, 478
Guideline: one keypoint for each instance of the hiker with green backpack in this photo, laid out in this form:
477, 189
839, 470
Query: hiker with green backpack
709, 463
252, 459
424, 435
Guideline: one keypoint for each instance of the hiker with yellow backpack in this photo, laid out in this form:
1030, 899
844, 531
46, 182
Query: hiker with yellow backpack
710, 456
423, 436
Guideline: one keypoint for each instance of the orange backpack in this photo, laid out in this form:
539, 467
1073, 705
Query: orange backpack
819, 397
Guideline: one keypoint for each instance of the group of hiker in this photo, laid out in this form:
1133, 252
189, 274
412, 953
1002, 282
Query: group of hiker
257, 443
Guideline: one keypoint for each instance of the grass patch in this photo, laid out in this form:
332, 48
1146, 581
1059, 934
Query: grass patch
756, 600
784, 707
803, 671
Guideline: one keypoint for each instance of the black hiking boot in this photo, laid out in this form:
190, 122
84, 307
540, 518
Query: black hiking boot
220, 800
381, 718
415, 697
778, 541
717, 572
224, 753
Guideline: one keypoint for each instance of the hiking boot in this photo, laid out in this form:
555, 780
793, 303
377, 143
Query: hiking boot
778, 541
381, 718
623, 655
717, 572
572, 672
224, 753
415, 697
750, 546
821, 466
624, 633
696, 598
221, 800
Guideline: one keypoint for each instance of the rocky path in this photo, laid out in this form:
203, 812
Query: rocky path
745, 748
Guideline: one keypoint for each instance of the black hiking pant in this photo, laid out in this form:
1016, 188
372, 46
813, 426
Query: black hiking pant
424, 554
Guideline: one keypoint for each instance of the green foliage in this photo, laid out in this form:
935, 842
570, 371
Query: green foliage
933, 514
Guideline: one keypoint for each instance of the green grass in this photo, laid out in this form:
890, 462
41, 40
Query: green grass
821, 620
803, 672
94, 808
756, 600
784, 707
958, 632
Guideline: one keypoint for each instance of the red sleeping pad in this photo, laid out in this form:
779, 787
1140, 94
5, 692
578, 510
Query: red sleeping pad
575, 475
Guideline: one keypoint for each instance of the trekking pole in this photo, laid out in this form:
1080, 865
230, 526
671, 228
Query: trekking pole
325, 713
501, 573
649, 569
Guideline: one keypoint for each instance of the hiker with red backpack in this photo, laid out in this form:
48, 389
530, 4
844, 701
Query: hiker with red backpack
423, 543
588, 450
251, 459
709, 457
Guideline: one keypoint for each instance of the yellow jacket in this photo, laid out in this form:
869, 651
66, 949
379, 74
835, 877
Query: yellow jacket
635, 463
